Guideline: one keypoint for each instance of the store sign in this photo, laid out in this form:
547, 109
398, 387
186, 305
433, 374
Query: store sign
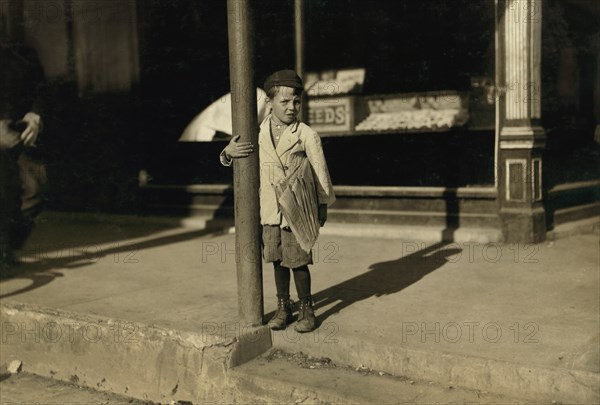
330, 115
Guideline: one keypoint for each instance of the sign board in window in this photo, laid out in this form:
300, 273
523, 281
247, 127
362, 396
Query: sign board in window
334, 114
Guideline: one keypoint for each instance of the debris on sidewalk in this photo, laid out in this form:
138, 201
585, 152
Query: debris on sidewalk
363, 369
15, 366
306, 361
301, 359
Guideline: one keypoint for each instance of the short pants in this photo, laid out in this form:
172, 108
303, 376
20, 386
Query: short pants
281, 245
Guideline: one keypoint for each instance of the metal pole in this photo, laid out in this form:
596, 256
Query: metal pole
246, 170
299, 22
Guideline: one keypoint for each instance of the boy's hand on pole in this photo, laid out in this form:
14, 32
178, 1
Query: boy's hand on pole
236, 149
31, 132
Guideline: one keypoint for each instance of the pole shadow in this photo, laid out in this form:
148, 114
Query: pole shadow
45, 270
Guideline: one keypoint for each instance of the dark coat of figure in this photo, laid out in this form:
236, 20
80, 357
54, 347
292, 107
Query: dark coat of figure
22, 177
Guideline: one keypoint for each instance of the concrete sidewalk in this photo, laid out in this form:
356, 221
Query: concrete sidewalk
517, 320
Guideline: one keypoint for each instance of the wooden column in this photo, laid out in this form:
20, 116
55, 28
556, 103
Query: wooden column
521, 138
299, 25
246, 170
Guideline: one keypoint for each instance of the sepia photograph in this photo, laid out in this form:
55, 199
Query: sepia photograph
345, 202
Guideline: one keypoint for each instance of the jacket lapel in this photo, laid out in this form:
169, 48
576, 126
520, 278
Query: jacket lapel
265, 142
288, 139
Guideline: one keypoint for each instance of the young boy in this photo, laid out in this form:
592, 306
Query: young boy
283, 144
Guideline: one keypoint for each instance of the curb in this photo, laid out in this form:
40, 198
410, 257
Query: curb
122, 357
163, 365
421, 233
225, 225
580, 227
449, 369
355, 230
268, 380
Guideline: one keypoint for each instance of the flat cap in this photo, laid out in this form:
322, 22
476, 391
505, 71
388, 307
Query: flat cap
285, 77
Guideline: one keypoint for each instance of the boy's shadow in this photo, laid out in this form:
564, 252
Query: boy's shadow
383, 278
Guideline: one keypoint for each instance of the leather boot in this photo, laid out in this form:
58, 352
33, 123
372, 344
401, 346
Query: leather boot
306, 317
283, 315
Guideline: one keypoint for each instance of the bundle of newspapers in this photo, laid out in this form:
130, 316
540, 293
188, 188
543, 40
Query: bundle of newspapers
297, 196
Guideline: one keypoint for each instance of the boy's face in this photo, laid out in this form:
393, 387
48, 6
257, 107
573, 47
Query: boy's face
285, 105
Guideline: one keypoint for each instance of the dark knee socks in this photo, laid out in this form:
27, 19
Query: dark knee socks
282, 280
301, 279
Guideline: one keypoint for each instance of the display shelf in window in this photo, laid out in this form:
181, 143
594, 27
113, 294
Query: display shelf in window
415, 112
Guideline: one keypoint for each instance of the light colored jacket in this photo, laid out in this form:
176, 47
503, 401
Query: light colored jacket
298, 142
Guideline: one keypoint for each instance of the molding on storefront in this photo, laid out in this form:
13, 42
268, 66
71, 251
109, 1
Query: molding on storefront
489, 192
574, 186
